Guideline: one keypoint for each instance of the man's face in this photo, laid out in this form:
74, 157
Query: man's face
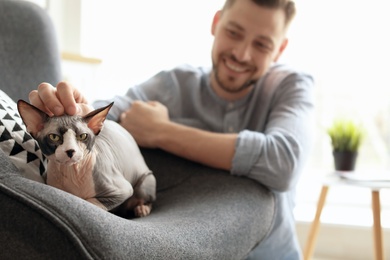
248, 38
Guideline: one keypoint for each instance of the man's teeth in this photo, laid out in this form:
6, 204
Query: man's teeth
235, 68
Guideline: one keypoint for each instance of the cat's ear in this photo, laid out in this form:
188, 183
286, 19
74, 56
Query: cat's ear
95, 119
32, 117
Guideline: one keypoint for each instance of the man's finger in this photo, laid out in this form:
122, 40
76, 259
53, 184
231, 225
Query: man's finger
46, 99
65, 94
36, 101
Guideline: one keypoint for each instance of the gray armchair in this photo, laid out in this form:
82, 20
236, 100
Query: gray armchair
200, 212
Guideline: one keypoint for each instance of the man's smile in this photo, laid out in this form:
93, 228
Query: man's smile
234, 66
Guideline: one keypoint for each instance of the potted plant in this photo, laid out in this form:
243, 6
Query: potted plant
346, 137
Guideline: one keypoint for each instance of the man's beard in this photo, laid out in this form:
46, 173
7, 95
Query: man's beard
246, 84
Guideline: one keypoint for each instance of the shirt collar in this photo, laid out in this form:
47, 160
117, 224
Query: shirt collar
223, 102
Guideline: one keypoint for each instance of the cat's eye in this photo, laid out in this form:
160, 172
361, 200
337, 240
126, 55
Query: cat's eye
54, 137
82, 137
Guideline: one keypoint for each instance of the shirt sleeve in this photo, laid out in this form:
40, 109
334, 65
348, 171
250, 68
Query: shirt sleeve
152, 89
275, 157
121, 104
164, 87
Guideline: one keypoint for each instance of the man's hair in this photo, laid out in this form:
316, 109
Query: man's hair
287, 6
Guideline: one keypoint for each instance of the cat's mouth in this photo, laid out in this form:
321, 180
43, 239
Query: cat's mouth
67, 157
68, 162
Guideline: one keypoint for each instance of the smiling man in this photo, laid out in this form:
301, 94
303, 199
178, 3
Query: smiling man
247, 114
247, 41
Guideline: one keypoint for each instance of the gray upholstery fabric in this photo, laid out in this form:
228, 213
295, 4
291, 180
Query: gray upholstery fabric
28, 49
200, 212
209, 215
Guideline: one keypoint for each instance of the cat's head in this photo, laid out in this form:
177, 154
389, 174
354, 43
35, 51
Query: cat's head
65, 139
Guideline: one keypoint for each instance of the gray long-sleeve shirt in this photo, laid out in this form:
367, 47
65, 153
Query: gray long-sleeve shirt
274, 125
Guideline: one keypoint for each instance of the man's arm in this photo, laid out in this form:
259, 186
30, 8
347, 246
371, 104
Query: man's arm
275, 156
149, 124
212, 149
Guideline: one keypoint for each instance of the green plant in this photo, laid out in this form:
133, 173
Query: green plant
345, 135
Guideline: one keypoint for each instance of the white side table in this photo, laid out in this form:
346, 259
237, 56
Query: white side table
351, 179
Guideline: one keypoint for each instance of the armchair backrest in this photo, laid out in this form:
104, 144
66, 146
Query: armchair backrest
29, 51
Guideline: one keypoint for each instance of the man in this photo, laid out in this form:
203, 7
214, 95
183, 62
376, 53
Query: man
247, 114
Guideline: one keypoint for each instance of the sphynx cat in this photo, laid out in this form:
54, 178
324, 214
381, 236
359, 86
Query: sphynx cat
93, 158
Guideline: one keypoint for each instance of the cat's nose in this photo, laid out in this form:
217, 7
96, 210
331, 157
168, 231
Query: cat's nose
70, 153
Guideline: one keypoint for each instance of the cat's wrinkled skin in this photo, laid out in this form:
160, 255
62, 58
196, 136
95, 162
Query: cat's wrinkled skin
102, 165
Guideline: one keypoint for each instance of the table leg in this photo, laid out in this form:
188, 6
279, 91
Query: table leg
313, 232
376, 212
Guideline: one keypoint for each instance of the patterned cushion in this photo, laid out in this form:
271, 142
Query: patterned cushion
21, 148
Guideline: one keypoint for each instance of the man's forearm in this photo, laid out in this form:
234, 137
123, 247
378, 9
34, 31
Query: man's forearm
212, 149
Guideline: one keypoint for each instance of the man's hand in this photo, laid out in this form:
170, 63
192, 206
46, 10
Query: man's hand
149, 124
144, 121
64, 99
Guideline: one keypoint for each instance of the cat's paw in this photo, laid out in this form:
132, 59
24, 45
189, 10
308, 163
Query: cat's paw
142, 210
